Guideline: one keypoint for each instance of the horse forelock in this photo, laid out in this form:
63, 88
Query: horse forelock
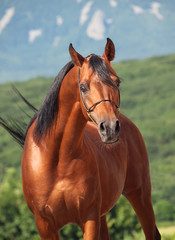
49, 109
99, 65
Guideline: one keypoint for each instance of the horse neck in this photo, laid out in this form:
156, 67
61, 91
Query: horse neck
65, 140
72, 139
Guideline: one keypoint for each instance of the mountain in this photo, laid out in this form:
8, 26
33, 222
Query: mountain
35, 35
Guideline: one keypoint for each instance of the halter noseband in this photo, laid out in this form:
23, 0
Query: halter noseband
91, 109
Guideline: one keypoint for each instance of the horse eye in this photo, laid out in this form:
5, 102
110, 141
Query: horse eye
83, 88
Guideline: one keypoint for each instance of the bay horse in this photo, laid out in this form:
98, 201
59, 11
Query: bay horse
80, 153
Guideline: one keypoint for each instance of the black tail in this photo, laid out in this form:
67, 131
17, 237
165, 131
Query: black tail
17, 128
24, 99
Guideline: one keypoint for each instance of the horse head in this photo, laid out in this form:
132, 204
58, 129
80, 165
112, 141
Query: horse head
99, 91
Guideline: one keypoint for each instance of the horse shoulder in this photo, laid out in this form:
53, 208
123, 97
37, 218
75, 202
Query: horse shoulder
36, 172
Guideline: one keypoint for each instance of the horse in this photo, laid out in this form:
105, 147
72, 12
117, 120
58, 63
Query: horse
80, 153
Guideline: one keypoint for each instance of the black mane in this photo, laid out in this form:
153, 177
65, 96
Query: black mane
99, 65
47, 113
49, 109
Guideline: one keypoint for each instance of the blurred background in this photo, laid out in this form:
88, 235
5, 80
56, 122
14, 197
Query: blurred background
34, 41
35, 35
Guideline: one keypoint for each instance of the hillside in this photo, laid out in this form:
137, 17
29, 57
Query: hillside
147, 98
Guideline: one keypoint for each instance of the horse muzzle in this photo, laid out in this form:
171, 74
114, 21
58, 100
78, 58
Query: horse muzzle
109, 131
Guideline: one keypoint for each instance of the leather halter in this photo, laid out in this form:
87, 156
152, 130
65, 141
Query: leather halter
91, 109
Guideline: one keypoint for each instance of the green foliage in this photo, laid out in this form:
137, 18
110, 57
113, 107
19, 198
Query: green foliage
165, 210
148, 99
122, 220
16, 221
72, 232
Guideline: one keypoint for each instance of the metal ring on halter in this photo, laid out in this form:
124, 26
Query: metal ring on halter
91, 109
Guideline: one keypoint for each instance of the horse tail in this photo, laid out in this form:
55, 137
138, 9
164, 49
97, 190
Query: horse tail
18, 128
24, 99
15, 129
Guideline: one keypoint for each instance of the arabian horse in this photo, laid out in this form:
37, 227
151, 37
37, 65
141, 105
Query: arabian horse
80, 153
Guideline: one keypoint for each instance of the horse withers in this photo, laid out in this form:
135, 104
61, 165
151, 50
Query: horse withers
80, 153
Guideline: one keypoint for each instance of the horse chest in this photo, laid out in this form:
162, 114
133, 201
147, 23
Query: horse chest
112, 184
112, 172
70, 196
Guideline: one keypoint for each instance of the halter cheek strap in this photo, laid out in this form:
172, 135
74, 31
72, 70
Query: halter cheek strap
91, 109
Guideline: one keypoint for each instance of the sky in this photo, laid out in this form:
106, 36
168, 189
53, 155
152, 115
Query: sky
35, 35
96, 28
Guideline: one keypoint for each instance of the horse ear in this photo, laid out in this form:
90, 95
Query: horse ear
109, 52
76, 57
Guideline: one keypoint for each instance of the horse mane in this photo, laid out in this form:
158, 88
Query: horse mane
45, 115
49, 109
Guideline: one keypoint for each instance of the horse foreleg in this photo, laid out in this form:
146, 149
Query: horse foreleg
104, 233
144, 210
92, 229
46, 229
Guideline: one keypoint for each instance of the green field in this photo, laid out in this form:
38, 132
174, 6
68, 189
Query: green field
147, 98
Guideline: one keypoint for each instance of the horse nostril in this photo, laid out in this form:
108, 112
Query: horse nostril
117, 127
102, 127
